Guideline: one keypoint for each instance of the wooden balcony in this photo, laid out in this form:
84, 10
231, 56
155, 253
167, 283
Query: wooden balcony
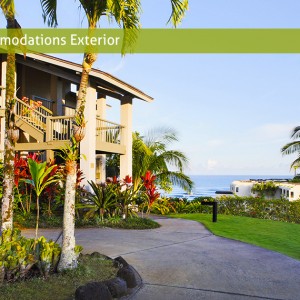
54, 132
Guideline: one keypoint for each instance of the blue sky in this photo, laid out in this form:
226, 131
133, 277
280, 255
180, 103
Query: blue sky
232, 112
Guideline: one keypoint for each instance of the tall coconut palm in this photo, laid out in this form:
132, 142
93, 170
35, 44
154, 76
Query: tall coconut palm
8, 9
152, 153
126, 13
293, 147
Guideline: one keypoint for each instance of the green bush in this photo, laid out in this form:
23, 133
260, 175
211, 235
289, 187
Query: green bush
278, 210
21, 257
117, 222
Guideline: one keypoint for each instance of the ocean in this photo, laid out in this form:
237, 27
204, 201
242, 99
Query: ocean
207, 185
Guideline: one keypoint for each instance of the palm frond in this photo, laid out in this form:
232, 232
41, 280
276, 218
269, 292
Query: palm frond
177, 178
179, 7
291, 148
127, 15
296, 162
160, 136
49, 8
93, 9
296, 133
8, 8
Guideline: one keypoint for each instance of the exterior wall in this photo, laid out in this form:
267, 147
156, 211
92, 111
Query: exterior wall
241, 189
288, 191
36, 83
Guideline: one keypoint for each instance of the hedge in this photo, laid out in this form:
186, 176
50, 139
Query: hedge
277, 209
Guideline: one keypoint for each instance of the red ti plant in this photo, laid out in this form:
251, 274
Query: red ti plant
23, 193
151, 189
124, 193
52, 189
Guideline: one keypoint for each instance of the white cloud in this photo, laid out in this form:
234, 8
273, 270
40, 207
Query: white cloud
211, 164
274, 131
215, 143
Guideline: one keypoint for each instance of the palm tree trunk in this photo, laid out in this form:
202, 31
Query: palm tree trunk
68, 258
9, 145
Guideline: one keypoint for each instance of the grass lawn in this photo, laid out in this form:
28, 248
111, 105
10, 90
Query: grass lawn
60, 286
277, 236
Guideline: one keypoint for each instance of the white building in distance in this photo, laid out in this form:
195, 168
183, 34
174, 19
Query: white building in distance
286, 189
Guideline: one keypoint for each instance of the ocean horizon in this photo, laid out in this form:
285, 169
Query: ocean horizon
207, 185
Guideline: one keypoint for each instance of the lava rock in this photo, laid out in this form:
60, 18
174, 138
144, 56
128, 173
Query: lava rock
120, 262
117, 287
128, 274
93, 291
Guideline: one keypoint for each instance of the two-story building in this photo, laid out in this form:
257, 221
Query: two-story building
47, 128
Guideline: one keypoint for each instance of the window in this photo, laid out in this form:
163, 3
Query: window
292, 194
237, 189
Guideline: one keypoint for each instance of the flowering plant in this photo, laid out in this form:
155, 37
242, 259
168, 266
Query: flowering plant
32, 106
151, 189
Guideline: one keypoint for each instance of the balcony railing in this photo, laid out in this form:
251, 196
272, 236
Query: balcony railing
108, 132
58, 128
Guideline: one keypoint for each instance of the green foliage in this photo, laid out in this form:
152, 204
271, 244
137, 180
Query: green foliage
279, 210
61, 286
265, 188
162, 206
18, 256
101, 202
113, 198
296, 179
41, 177
152, 153
118, 222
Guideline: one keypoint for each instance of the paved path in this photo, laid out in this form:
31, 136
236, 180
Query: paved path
182, 260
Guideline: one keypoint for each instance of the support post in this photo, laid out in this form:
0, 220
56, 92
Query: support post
88, 144
126, 138
101, 158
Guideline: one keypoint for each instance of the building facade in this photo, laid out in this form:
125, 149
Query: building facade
285, 189
46, 100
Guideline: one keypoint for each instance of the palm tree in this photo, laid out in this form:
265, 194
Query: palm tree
126, 13
293, 147
151, 153
8, 9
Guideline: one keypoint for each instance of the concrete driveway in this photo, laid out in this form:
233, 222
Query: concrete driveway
183, 260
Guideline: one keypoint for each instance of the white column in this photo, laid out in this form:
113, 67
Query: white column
126, 137
101, 158
88, 144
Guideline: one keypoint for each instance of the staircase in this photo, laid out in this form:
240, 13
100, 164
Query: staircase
50, 132
32, 119
54, 132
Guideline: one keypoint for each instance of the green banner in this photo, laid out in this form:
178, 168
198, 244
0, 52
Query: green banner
151, 40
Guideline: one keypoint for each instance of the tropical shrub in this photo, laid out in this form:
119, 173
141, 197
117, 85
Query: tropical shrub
101, 202
110, 199
162, 206
19, 258
279, 210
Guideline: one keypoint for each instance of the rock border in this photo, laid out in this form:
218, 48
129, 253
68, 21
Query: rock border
123, 287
